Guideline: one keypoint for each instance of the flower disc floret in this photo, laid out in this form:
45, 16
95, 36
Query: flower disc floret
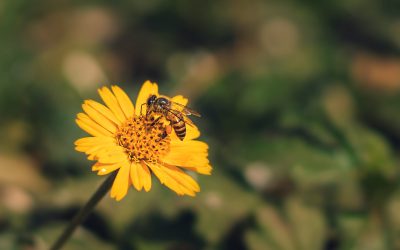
143, 140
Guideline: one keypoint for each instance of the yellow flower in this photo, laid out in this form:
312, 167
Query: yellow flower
123, 140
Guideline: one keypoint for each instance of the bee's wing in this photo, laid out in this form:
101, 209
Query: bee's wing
177, 113
188, 121
185, 110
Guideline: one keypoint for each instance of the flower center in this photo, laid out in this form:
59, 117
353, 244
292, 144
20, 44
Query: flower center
143, 139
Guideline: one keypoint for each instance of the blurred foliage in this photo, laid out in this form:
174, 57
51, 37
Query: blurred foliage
300, 106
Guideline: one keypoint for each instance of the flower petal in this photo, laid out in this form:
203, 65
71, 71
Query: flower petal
94, 150
112, 103
103, 110
182, 177
111, 157
140, 176
99, 118
92, 141
87, 143
180, 99
145, 175
88, 125
104, 169
105, 152
135, 178
121, 183
192, 132
175, 179
124, 101
147, 89
192, 155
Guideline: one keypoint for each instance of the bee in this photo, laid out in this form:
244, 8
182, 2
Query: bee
174, 112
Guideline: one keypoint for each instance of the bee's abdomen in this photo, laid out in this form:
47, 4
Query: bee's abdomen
180, 129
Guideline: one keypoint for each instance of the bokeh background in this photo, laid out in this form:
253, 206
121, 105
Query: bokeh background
300, 104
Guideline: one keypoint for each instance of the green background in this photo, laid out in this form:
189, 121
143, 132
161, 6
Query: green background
300, 105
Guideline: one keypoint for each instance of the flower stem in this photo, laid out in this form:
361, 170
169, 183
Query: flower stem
84, 212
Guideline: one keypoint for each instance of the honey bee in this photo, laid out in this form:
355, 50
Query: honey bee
174, 112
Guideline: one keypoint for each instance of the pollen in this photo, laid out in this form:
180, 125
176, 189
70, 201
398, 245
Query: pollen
143, 140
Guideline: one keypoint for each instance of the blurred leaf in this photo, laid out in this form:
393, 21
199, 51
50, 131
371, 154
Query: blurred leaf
7, 240
351, 227
81, 239
298, 226
308, 224
308, 165
372, 236
393, 219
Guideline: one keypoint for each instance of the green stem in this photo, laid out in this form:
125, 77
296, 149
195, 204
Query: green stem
84, 212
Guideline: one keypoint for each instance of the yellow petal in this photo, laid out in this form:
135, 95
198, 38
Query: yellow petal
145, 92
121, 183
90, 130
88, 121
182, 177
104, 169
180, 99
124, 101
93, 141
112, 103
111, 157
175, 179
140, 176
192, 145
145, 175
106, 148
92, 149
135, 178
88, 143
192, 155
103, 110
99, 118
192, 132
169, 182
205, 169
92, 157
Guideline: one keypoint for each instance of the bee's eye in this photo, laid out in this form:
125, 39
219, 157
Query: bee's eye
151, 100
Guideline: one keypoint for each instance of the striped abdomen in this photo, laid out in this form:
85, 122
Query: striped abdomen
179, 126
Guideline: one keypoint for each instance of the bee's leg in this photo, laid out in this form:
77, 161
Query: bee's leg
155, 121
166, 132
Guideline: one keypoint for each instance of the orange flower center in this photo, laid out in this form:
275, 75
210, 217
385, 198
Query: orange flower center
143, 139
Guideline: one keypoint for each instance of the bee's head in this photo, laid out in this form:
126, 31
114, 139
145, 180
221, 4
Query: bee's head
151, 100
